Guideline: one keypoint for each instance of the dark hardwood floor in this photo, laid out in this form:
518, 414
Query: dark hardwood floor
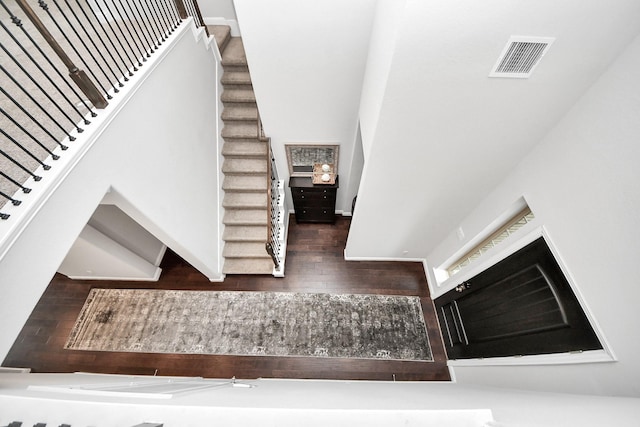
314, 263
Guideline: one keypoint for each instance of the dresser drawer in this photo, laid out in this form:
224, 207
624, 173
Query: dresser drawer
311, 214
317, 200
313, 203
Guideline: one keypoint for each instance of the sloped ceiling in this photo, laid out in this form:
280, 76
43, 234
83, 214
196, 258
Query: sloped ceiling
447, 133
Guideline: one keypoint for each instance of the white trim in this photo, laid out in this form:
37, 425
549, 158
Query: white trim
591, 356
8, 370
154, 278
231, 23
349, 258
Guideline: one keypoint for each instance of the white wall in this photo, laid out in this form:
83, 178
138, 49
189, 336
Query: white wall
310, 403
217, 9
446, 134
581, 182
115, 224
96, 256
159, 159
387, 19
307, 63
113, 247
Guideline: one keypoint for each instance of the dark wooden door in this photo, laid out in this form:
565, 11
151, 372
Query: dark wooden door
521, 306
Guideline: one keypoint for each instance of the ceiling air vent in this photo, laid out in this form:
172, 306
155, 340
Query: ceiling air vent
520, 56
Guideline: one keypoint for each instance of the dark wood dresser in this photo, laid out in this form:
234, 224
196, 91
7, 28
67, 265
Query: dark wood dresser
313, 202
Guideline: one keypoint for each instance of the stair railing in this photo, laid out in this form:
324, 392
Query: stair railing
48, 98
272, 245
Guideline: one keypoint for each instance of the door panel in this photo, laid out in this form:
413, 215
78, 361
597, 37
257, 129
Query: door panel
522, 305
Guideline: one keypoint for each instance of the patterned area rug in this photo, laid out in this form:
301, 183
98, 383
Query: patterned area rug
252, 323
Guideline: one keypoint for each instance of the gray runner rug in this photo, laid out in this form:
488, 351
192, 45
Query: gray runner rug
252, 323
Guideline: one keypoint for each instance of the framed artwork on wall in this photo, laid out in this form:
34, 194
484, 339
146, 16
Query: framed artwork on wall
302, 157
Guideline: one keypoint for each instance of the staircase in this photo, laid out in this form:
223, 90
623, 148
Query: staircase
245, 165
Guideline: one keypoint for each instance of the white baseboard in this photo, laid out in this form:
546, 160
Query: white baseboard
231, 23
355, 258
6, 370
154, 278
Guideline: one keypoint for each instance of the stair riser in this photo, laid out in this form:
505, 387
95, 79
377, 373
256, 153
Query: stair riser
234, 68
237, 86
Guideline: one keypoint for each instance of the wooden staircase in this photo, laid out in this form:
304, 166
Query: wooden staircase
245, 165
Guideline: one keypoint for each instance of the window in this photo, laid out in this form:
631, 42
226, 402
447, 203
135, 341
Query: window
513, 225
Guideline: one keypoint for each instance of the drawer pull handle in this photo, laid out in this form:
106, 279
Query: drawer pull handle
302, 197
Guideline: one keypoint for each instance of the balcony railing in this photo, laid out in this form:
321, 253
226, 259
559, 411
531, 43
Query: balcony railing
63, 61
274, 245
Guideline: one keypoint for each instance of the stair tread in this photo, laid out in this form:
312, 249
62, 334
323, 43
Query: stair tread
238, 200
238, 95
244, 113
248, 266
245, 217
242, 130
245, 183
234, 53
248, 166
245, 250
236, 78
245, 149
245, 233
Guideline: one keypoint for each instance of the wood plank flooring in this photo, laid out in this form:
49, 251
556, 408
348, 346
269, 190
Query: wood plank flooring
315, 263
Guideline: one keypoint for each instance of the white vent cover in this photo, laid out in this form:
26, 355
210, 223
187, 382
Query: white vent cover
520, 56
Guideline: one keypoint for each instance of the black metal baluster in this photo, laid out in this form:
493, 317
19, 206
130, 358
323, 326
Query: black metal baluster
29, 153
173, 12
170, 14
139, 54
164, 23
19, 126
151, 19
19, 24
167, 19
44, 73
97, 33
118, 39
140, 47
97, 49
13, 201
44, 110
154, 20
86, 48
45, 7
44, 92
16, 183
15, 162
142, 22
37, 122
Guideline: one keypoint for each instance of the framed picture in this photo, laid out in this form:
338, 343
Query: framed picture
302, 157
